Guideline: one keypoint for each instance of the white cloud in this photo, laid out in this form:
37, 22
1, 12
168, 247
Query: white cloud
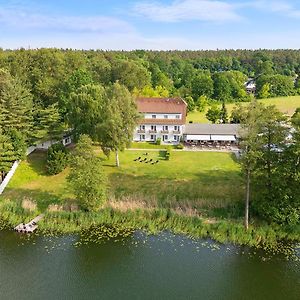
21, 18
285, 8
188, 10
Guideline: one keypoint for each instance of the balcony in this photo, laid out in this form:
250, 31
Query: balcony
165, 131
141, 131
152, 131
176, 132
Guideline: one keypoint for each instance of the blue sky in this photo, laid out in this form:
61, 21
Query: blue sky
150, 24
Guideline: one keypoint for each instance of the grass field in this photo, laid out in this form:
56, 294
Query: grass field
287, 105
146, 145
207, 182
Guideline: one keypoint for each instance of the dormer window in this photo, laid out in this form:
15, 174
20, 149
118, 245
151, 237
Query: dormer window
153, 116
166, 116
177, 116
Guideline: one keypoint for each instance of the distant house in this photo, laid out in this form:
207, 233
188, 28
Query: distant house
162, 118
228, 133
250, 86
65, 140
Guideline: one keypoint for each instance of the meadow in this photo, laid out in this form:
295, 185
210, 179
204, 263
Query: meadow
198, 183
199, 194
286, 105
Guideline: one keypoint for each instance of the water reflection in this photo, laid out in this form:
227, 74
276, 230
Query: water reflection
165, 266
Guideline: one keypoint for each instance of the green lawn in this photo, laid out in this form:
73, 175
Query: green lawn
146, 145
287, 105
206, 181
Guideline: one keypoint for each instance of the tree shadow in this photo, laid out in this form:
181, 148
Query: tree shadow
37, 161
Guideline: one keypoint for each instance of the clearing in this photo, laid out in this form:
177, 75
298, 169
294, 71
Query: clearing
287, 105
206, 182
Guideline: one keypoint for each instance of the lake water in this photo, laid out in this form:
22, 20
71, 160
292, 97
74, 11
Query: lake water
166, 266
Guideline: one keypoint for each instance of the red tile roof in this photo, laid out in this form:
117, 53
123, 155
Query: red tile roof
163, 106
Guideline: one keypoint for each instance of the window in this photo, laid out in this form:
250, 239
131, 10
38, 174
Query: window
165, 138
177, 117
166, 116
142, 137
153, 116
166, 128
176, 128
142, 127
176, 138
153, 137
153, 127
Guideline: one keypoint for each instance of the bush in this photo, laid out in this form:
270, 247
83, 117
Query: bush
180, 146
57, 159
158, 141
168, 153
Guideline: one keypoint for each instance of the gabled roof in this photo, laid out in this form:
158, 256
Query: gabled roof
219, 129
163, 106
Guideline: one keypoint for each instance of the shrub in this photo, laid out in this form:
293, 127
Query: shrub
180, 146
57, 159
168, 153
158, 141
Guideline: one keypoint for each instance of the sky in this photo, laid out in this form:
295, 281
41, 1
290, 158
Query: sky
150, 24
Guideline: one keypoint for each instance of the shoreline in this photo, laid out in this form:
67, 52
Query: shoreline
153, 221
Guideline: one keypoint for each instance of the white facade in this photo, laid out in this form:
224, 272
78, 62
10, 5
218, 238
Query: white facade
67, 140
150, 133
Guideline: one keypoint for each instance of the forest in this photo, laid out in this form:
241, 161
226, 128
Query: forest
39, 88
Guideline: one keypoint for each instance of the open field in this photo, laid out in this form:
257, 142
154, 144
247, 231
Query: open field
206, 182
287, 105
146, 145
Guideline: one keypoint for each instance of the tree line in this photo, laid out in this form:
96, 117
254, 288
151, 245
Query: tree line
217, 75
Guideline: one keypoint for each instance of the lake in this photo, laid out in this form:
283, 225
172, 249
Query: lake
165, 266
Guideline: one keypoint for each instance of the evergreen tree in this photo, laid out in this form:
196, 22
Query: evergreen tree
7, 155
16, 108
223, 113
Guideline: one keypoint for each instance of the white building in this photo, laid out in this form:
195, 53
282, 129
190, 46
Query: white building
250, 86
216, 133
162, 118
66, 140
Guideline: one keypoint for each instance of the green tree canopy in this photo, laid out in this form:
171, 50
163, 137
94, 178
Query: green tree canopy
87, 178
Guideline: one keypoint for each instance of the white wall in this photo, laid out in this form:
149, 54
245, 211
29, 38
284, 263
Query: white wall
162, 116
158, 133
9, 176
